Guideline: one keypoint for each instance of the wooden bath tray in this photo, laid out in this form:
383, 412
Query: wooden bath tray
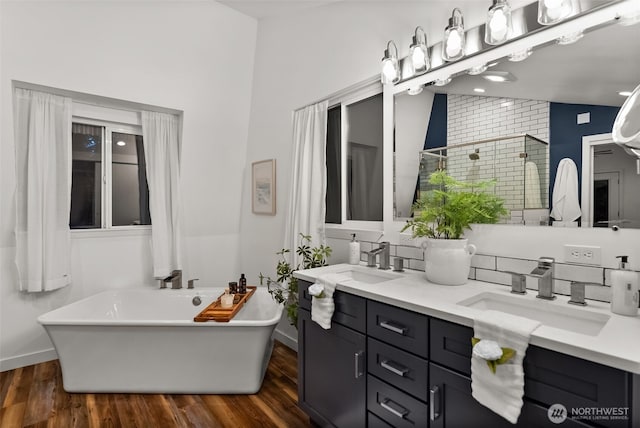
215, 311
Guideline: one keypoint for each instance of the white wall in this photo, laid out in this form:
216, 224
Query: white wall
193, 56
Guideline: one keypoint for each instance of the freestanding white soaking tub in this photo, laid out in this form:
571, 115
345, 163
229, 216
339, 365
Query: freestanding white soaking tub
145, 341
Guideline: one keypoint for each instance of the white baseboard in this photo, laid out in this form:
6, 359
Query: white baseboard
291, 342
27, 359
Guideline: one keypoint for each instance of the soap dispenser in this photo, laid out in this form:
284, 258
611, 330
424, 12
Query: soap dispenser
354, 250
625, 288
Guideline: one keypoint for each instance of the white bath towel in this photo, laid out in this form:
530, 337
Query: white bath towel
565, 192
322, 307
501, 391
531, 186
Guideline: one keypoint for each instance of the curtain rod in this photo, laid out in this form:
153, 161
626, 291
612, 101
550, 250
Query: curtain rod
96, 100
333, 97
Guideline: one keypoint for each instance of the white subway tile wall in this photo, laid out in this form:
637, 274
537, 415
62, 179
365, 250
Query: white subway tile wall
489, 268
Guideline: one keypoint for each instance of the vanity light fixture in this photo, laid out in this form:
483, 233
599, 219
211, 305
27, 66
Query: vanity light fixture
418, 52
390, 67
568, 39
553, 11
520, 55
478, 69
498, 26
454, 38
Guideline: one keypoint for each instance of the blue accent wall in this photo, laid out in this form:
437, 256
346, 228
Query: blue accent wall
565, 135
437, 129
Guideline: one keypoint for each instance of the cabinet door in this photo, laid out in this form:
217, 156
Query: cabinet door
453, 406
332, 373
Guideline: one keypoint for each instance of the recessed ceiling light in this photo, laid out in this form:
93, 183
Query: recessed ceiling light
477, 69
121, 143
478, 90
520, 55
499, 76
442, 82
415, 90
625, 93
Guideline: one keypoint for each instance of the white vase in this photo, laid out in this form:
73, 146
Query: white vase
447, 261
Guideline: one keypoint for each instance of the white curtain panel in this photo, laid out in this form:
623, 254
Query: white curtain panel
42, 127
161, 139
306, 210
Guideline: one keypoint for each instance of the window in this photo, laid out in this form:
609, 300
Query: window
354, 181
109, 183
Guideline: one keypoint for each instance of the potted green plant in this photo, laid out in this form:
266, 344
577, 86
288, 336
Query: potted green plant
442, 215
284, 289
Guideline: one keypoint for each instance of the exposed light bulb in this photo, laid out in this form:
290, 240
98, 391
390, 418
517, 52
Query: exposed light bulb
453, 44
553, 11
121, 143
498, 24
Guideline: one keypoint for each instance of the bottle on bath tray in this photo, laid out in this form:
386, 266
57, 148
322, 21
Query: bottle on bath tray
242, 284
226, 300
625, 289
354, 250
233, 287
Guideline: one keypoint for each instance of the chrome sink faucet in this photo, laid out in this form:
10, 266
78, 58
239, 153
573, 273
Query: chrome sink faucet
544, 272
385, 255
175, 279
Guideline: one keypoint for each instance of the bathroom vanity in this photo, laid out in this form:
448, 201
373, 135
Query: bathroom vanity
398, 355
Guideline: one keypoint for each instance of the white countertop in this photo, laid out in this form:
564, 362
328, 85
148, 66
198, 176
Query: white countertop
617, 344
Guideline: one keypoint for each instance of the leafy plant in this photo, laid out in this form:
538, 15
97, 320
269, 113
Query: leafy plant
284, 289
452, 206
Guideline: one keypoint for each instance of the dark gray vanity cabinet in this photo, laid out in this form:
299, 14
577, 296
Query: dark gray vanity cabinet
332, 363
382, 366
550, 378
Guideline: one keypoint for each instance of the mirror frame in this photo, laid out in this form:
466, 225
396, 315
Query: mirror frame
590, 20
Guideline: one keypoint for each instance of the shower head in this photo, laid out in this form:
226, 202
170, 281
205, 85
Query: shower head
474, 155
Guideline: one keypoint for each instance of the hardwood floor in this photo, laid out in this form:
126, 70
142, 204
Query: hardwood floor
33, 397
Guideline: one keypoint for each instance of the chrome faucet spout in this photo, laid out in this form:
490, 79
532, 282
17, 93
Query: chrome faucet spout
544, 272
175, 279
385, 256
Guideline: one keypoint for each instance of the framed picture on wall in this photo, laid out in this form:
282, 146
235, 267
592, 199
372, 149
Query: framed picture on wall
263, 187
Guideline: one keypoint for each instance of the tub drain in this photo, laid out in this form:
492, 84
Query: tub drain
196, 301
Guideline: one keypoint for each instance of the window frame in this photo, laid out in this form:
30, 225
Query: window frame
344, 99
106, 215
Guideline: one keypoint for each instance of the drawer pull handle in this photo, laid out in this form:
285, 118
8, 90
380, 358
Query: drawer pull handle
400, 412
394, 367
396, 328
434, 403
357, 359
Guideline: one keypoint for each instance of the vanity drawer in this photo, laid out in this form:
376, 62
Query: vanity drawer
350, 310
550, 377
399, 327
399, 368
395, 407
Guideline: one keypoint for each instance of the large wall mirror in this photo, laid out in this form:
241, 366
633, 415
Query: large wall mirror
563, 97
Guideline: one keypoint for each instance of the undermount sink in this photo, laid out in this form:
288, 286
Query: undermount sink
367, 275
565, 318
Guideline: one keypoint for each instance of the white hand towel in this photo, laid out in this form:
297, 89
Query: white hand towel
501, 392
322, 307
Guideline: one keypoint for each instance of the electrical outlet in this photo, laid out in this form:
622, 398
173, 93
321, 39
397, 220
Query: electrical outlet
583, 254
